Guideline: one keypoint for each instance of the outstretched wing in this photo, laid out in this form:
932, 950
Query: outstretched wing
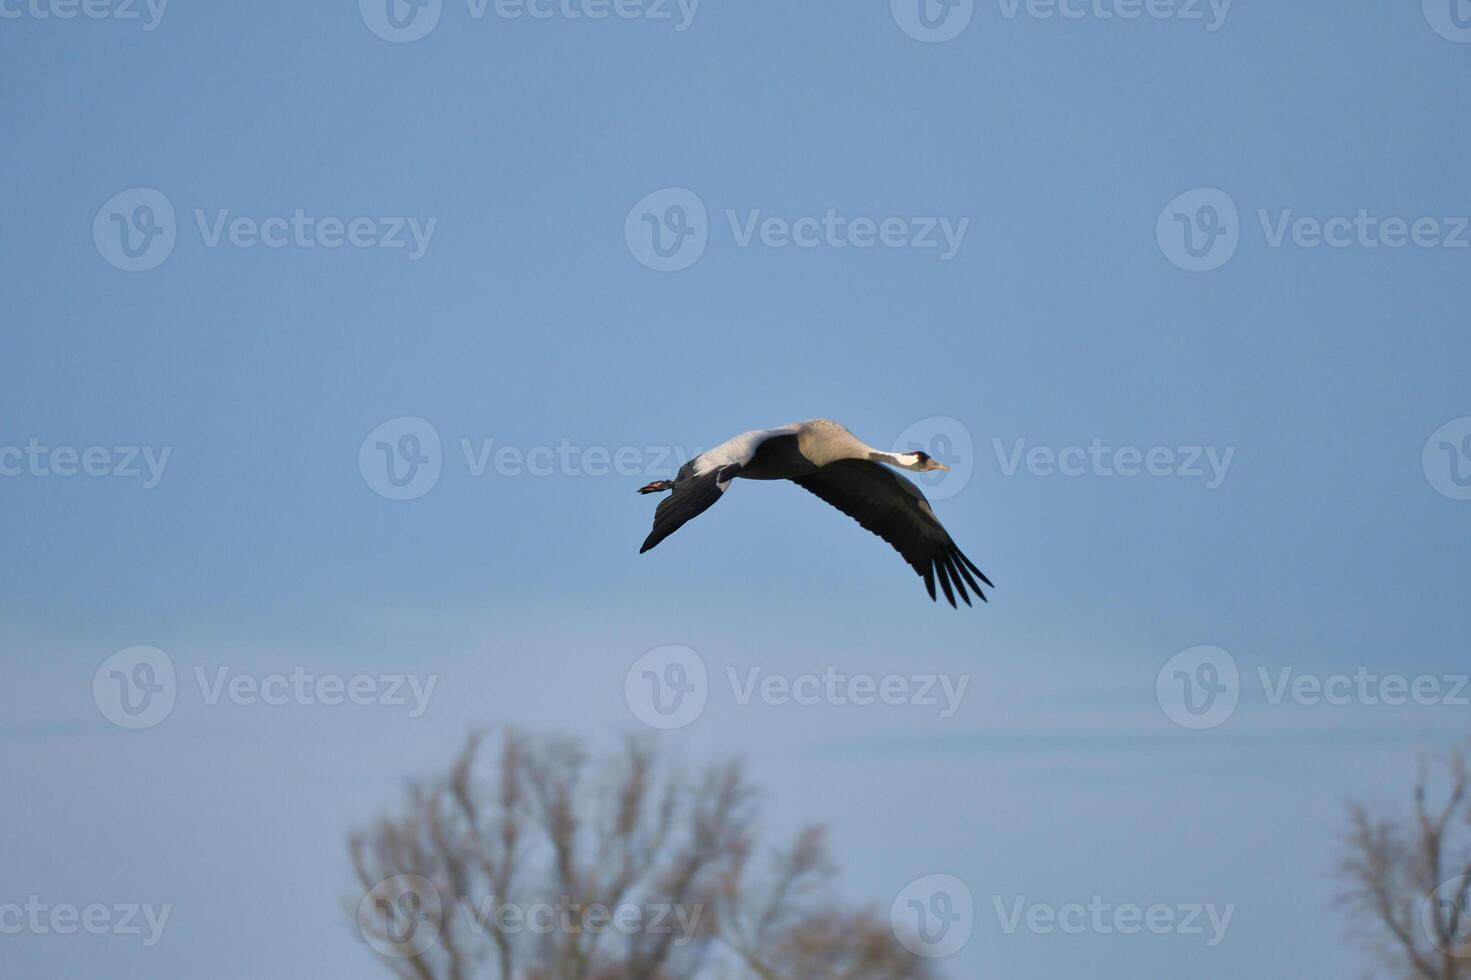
703, 480
694, 492
894, 508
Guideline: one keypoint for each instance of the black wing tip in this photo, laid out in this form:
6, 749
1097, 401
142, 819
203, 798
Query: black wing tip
958, 574
972, 566
954, 569
942, 572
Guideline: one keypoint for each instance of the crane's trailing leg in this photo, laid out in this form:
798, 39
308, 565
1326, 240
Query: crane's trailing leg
658, 486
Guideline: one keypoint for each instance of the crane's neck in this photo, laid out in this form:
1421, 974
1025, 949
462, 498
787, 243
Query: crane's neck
905, 461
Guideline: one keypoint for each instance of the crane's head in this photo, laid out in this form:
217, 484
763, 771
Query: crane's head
919, 462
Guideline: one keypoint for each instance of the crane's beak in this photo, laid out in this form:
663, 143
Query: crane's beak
935, 464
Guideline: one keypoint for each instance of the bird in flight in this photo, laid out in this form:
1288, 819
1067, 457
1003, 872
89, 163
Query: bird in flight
824, 458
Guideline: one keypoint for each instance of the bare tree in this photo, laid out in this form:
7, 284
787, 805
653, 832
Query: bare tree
538, 862
1409, 874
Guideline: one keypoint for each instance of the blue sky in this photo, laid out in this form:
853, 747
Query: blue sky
527, 152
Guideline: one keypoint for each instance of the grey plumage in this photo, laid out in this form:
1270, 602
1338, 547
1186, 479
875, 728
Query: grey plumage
825, 459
